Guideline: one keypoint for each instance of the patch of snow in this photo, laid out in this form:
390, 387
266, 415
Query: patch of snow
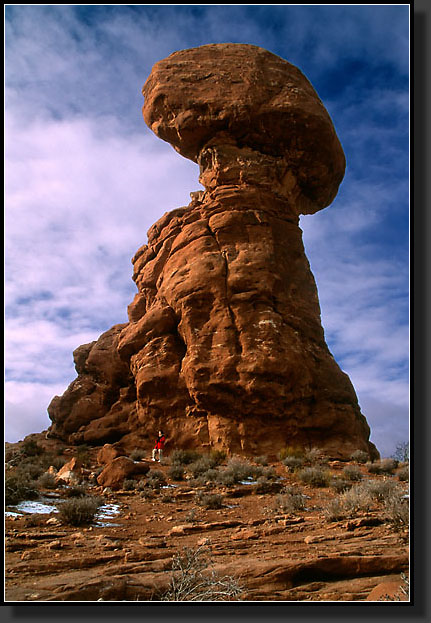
30, 506
106, 512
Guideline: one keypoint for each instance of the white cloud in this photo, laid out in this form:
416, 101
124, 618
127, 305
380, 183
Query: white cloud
25, 408
89, 197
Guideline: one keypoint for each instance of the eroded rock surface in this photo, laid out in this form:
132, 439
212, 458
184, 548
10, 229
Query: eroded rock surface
98, 406
224, 343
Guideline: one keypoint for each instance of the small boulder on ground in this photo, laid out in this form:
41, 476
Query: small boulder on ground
70, 473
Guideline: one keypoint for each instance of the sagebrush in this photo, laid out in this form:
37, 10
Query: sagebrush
79, 511
193, 579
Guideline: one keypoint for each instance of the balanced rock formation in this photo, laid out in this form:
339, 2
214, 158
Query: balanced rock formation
224, 347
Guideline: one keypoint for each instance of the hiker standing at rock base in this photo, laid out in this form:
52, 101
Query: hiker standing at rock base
158, 448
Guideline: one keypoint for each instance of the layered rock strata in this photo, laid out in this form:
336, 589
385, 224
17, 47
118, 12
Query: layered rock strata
224, 345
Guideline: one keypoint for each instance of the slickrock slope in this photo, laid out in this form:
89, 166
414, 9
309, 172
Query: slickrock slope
224, 342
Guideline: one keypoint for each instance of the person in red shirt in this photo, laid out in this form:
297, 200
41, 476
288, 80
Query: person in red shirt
158, 448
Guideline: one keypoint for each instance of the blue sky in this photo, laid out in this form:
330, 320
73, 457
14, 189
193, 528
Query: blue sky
85, 179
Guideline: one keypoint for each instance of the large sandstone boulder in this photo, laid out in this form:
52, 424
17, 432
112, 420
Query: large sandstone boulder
224, 342
117, 470
108, 453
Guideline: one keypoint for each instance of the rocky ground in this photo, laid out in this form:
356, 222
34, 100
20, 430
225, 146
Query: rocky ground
273, 552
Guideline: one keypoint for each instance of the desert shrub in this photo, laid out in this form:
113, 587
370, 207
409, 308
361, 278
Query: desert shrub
76, 491
235, 471
129, 484
313, 455
227, 478
356, 499
210, 500
176, 472
396, 510
11, 455
79, 511
352, 472
184, 457
339, 484
335, 510
47, 481
380, 489
207, 478
349, 503
267, 472
193, 580
384, 466
200, 481
359, 456
137, 454
218, 456
30, 469
291, 500
202, 465
403, 473
146, 492
261, 460
388, 465
18, 488
293, 462
31, 448
315, 476
156, 479
292, 451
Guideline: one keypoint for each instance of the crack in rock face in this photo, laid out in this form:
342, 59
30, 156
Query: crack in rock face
224, 343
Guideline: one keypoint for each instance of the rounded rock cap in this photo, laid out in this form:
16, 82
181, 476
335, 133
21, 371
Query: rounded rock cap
258, 99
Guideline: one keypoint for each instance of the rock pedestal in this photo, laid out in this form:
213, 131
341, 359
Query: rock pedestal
224, 343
